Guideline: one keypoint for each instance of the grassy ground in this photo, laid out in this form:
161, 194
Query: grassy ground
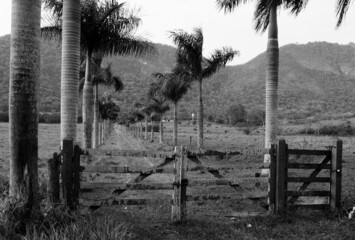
214, 219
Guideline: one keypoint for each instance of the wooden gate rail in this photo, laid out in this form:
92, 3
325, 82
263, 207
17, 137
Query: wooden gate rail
280, 198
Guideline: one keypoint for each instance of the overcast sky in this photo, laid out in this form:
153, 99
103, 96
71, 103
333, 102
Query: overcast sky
315, 23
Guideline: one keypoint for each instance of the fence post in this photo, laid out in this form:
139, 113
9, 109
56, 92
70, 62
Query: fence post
180, 183
335, 184
280, 176
76, 174
67, 172
272, 180
53, 179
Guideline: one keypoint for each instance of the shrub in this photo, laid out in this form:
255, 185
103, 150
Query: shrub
236, 114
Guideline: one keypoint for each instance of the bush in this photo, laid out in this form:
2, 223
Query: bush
339, 130
256, 117
236, 114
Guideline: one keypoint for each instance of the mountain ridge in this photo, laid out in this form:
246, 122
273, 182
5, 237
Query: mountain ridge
314, 79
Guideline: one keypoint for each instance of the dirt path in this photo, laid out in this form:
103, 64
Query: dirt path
121, 140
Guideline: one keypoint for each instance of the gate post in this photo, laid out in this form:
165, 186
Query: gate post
335, 184
178, 213
280, 176
272, 180
67, 172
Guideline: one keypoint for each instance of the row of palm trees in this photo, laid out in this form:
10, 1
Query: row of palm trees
191, 66
25, 69
106, 29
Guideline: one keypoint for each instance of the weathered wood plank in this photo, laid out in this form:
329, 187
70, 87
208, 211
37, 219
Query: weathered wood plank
308, 179
122, 201
308, 166
308, 193
310, 206
133, 153
90, 186
308, 152
126, 169
239, 196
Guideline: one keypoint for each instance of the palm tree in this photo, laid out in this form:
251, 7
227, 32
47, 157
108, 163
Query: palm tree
173, 86
157, 106
265, 16
102, 77
341, 10
106, 29
68, 14
23, 96
189, 48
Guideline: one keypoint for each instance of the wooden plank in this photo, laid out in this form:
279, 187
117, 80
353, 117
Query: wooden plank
90, 186
219, 197
336, 172
310, 206
126, 169
227, 182
308, 166
308, 193
122, 201
308, 152
280, 176
308, 179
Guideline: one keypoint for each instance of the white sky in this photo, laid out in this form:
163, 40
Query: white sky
315, 23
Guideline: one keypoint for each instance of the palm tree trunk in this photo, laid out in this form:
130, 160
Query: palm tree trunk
271, 83
152, 131
23, 113
88, 113
161, 131
70, 69
96, 117
146, 128
175, 125
200, 118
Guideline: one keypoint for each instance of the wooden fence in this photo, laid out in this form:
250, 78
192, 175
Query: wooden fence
64, 175
282, 198
178, 186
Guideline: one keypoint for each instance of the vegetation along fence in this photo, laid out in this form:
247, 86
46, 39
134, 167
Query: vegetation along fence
291, 167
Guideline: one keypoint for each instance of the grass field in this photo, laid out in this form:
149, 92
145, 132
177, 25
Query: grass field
48, 143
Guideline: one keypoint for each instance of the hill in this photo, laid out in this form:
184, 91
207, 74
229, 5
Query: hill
315, 79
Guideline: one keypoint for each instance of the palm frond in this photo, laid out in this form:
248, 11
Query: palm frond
341, 10
127, 45
218, 59
52, 33
229, 5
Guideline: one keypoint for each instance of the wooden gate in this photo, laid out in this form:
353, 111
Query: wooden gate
283, 174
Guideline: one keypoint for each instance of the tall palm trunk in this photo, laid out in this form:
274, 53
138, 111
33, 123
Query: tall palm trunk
146, 128
152, 130
24, 80
70, 69
88, 103
175, 125
200, 118
96, 117
271, 83
161, 131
